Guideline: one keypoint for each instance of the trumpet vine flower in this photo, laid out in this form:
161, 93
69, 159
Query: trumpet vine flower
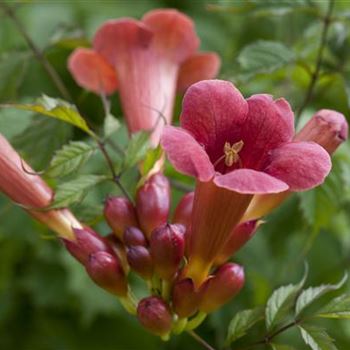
150, 59
18, 182
235, 148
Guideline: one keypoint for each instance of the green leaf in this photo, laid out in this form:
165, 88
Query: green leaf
137, 148
337, 308
13, 66
152, 156
281, 301
70, 158
316, 338
264, 57
56, 108
311, 294
73, 191
282, 347
242, 322
38, 142
111, 125
321, 204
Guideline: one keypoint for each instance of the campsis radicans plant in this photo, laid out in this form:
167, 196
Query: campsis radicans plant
244, 155
147, 61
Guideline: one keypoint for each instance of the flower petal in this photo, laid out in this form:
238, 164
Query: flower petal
115, 37
250, 181
269, 124
92, 72
214, 112
186, 155
201, 66
174, 33
302, 165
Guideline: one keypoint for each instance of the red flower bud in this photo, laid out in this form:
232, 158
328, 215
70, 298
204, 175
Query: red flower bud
167, 247
220, 288
238, 238
185, 299
327, 128
119, 250
183, 211
120, 214
133, 237
154, 314
106, 271
140, 260
153, 203
86, 242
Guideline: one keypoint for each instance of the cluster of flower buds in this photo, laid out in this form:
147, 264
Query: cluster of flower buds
157, 251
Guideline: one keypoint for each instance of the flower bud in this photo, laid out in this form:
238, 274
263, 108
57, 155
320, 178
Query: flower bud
120, 214
86, 242
153, 203
327, 128
167, 247
106, 271
140, 260
184, 298
220, 288
133, 236
183, 210
119, 250
238, 238
154, 314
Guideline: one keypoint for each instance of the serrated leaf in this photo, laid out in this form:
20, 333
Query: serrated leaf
58, 109
152, 156
337, 308
73, 191
137, 148
264, 57
281, 301
242, 322
316, 338
311, 294
111, 125
70, 158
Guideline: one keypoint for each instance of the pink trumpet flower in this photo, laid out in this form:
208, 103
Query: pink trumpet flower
31, 192
151, 58
329, 129
235, 148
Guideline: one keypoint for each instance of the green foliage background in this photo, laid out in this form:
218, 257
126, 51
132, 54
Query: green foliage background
46, 300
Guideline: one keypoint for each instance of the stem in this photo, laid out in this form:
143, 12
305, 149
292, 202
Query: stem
267, 339
196, 321
37, 52
116, 177
200, 340
129, 303
316, 72
179, 325
166, 288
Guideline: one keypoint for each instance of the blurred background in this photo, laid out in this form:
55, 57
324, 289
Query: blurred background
46, 300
